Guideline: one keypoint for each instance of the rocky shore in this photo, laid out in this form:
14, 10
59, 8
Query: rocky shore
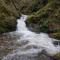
44, 17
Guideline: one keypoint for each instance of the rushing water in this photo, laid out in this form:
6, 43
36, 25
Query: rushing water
30, 43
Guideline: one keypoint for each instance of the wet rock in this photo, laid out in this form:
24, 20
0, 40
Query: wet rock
40, 56
57, 56
55, 43
46, 20
45, 56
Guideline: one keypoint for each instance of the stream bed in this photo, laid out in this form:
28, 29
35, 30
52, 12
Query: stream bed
23, 44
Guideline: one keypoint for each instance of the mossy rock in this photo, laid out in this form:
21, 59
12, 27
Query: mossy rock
57, 56
55, 34
7, 24
47, 19
31, 6
8, 15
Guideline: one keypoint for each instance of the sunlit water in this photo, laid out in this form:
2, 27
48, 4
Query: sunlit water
30, 42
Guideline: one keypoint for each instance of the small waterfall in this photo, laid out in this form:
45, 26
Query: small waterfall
31, 43
41, 39
21, 24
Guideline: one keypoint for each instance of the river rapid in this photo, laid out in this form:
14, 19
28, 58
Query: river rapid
25, 44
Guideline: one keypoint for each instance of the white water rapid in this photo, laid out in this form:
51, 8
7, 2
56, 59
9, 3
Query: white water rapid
31, 43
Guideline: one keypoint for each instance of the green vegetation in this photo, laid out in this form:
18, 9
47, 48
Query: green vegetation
10, 9
8, 24
57, 56
8, 14
31, 6
47, 19
44, 15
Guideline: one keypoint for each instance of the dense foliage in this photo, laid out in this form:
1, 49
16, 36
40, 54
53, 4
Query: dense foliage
44, 16
8, 14
46, 19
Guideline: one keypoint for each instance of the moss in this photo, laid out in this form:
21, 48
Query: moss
56, 34
8, 24
47, 18
57, 56
31, 6
7, 16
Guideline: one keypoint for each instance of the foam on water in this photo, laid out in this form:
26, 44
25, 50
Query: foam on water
40, 40
34, 43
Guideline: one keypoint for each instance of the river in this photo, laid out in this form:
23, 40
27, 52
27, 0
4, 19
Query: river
23, 44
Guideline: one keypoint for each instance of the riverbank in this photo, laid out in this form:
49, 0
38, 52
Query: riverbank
46, 19
8, 15
27, 45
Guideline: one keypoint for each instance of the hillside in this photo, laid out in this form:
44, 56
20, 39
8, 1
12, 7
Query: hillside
44, 16
46, 19
11, 9
8, 13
